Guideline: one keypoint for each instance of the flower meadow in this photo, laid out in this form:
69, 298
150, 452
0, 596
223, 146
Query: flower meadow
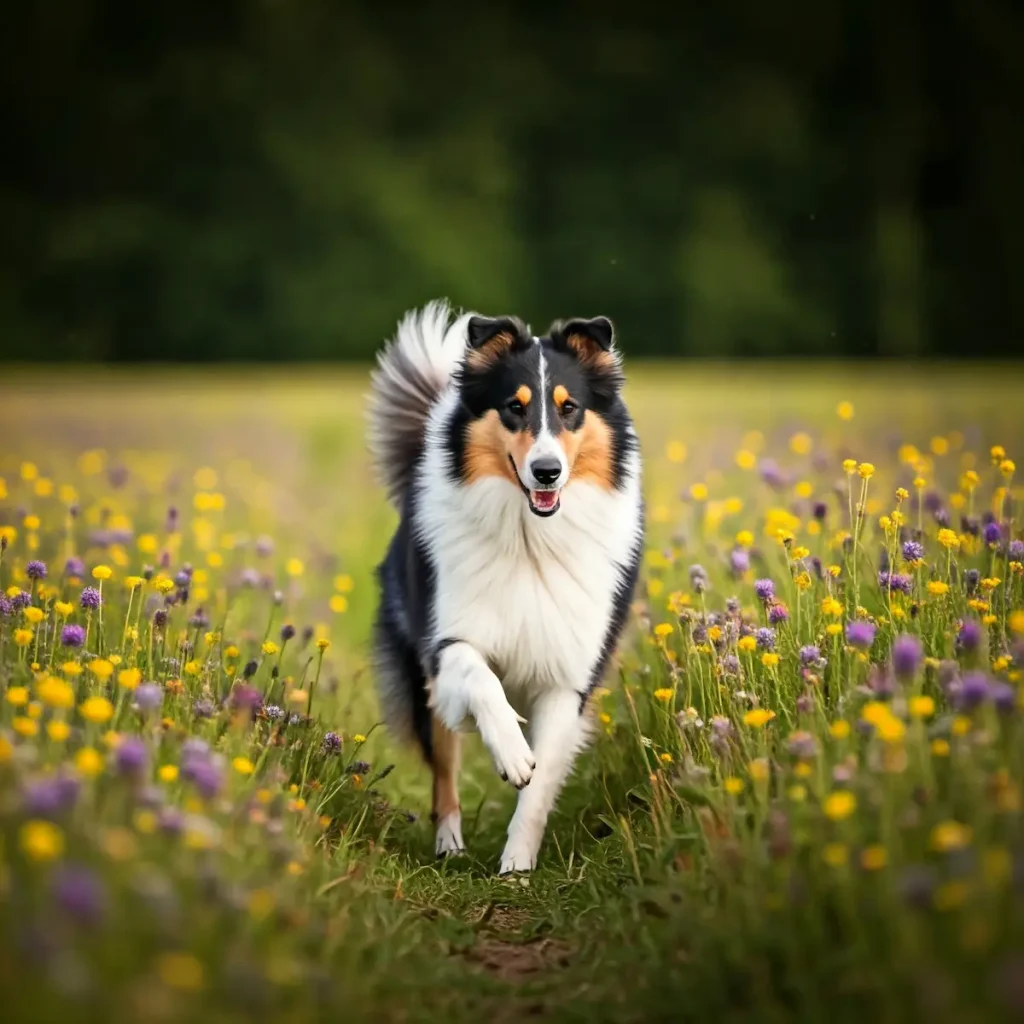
803, 797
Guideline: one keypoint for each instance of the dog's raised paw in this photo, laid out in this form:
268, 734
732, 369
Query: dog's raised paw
448, 841
513, 759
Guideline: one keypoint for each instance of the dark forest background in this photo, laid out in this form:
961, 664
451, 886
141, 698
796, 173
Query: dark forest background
281, 179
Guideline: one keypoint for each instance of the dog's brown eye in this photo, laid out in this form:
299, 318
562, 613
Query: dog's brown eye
515, 407
568, 407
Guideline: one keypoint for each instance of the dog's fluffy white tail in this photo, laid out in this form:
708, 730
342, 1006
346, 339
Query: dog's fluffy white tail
412, 371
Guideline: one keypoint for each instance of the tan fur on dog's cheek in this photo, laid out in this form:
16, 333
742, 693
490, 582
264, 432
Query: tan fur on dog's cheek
589, 451
489, 446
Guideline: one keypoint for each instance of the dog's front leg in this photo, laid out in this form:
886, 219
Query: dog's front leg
465, 687
558, 730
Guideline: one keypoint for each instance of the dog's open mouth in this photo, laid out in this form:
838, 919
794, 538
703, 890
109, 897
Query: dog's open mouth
542, 503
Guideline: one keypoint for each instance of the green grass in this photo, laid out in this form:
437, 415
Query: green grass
660, 893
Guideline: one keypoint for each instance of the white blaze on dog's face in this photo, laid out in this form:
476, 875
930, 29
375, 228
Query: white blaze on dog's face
540, 412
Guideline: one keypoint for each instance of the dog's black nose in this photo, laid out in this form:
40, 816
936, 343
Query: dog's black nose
546, 470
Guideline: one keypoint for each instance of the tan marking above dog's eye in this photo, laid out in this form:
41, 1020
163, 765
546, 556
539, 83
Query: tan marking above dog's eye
560, 395
523, 394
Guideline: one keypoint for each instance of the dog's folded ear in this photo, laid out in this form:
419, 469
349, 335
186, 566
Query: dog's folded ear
482, 329
580, 334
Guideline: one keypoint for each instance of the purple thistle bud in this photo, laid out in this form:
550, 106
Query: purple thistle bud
358, 768
21, 600
810, 654
48, 798
182, 578
203, 708
1016, 550
273, 712
973, 691
969, 636
860, 634
739, 560
820, 510
1003, 696
971, 580
264, 546
204, 775
149, 697
913, 551
249, 578
941, 517
771, 474
6, 608
731, 665
993, 534
331, 743
700, 633
765, 638
199, 619
805, 703
131, 756
777, 613
172, 520
906, 655
287, 632
802, 744
970, 525
72, 635
36, 570
732, 605
90, 598
307, 634
246, 698
170, 820
160, 618
765, 589
79, 893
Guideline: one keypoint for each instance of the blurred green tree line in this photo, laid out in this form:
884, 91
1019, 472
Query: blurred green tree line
281, 179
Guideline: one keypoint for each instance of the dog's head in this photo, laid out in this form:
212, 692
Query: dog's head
541, 412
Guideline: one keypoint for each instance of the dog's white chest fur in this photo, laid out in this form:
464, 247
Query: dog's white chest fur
533, 595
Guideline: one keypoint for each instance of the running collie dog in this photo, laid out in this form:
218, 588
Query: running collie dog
515, 469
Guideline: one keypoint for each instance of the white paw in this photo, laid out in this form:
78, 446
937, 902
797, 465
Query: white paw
517, 858
449, 835
513, 759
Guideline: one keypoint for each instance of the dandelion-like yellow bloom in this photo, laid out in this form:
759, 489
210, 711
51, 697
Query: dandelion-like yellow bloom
769, 659
41, 840
56, 693
102, 572
180, 971
58, 731
998, 453
358, 738
664, 694
949, 539
840, 729
874, 858
269, 647
323, 643
63, 608
97, 710
294, 567
840, 805
167, 773
836, 855
850, 466
699, 492
17, 696
663, 629
950, 835
22, 637
675, 451
243, 766
922, 707
25, 726
844, 410
34, 615
756, 718
163, 584
937, 588
747, 643
1007, 468
866, 470
830, 606
733, 786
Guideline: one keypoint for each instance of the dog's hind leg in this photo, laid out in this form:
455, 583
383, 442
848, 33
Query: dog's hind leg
445, 756
558, 731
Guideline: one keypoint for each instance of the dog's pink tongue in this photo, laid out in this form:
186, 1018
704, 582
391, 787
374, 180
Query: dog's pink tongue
544, 500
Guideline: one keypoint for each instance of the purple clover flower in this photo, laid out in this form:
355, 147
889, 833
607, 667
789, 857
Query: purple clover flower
149, 697
203, 708
765, 637
913, 551
249, 578
810, 654
896, 581
74, 566
969, 636
264, 546
90, 598
971, 580
777, 613
771, 474
1016, 550
765, 589
739, 561
79, 893
1004, 697
72, 635
131, 756
273, 712
246, 698
698, 578
6, 608
331, 743
49, 798
731, 665
993, 534
287, 632
820, 510
860, 634
973, 691
906, 655
21, 600
36, 570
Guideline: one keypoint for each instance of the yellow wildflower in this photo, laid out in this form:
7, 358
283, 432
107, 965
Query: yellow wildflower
836, 855
17, 696
937, 588
102, 572
840, 729
129, 678
663, 629
269, 647
243, 766
922, 707
758, 717
97, 710
180, 971
950, 835
948, 538
844, 410
58, 731
866, 470
41, 840
874, 858
850, 465
56, 693
101, 668
840, 805
769, 659
22, 637
664, 694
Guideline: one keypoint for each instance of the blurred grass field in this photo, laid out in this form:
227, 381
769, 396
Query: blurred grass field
596, 933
